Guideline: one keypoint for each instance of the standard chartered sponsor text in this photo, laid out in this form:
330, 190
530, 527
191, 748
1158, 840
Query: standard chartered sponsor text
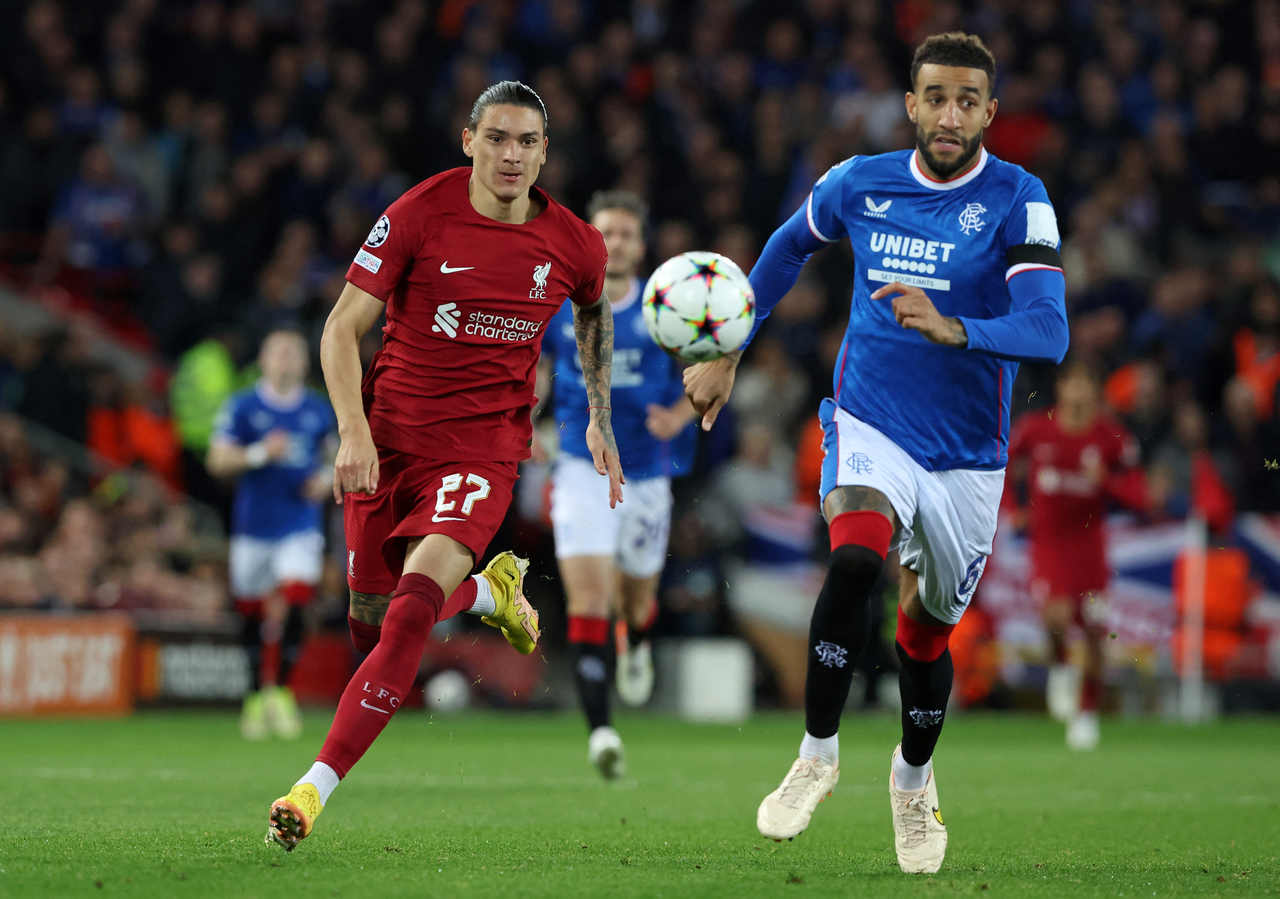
494, 326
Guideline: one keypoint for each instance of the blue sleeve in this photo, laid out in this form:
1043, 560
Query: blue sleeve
818, 222
1035, 328
229, 425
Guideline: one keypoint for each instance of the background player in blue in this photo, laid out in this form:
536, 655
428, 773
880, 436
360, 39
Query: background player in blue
612, 558
957, 278
277, 439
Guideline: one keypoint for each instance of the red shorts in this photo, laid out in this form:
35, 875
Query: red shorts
1083, 588
415, 497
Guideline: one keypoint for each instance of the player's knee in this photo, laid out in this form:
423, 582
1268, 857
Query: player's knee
920, 641
1058, 616
364, 637
855, 569
588, 604
297, 593
249, 607
865, 528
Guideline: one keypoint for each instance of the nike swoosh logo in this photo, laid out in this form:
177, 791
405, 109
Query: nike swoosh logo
446, 518
446, 269
365, 703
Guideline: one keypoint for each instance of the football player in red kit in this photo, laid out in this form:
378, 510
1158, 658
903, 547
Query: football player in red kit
1073, 460
469, 266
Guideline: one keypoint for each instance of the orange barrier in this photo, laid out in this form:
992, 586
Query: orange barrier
1227, 591
51, 665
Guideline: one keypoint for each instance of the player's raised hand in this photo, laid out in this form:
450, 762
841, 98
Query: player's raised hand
604, 453
913, 309
665, 422
708, 385
355, 469
276, 443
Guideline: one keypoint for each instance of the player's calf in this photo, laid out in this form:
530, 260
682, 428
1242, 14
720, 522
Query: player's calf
841, 622
925, 685
365, 612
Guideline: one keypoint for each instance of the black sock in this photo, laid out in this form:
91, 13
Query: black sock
251, 640
637, 635
925, 688
591, 674
290, 644
838, 633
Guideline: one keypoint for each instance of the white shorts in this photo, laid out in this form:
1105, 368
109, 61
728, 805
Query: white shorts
258, 566
947, 519
635, 533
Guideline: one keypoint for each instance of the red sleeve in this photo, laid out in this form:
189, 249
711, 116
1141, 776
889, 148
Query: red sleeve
1209, 494
1126, 481
591, 276
389, 250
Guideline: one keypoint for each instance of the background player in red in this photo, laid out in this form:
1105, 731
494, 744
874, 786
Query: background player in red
1073, 459
471, 264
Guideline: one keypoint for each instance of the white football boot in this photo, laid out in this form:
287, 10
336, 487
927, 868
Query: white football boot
604, 750
1062, 692
919, 836
1083, 731
635, 673
786, 811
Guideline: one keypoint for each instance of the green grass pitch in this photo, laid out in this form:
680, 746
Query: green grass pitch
175, 804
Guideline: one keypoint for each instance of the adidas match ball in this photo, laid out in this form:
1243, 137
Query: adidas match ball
698, 306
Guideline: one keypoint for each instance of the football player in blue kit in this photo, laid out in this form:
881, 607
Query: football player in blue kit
277, 439
957, 279
611, 559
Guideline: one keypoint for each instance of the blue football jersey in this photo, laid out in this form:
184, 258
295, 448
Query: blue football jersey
642, 374
269, 503
946, 407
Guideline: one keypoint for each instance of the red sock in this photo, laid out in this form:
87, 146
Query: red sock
1090, 692
460, 600
381, 682
363, 636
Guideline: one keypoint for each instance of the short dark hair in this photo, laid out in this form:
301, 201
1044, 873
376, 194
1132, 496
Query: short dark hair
618, 199
507, 93
1079, 364
954, 48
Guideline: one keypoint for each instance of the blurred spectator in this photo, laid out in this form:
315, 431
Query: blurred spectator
96, 223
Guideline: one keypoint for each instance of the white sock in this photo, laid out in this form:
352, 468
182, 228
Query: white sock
825, 749
323, 778
910, 777
484, 604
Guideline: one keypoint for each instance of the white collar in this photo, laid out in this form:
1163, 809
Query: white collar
632, 294
935, 184
281, 402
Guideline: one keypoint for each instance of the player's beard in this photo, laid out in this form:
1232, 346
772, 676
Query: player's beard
944, 170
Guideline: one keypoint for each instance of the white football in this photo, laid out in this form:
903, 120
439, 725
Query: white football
698, 306
448, 691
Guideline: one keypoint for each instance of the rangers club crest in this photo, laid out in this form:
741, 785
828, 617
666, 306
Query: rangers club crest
971, 218
833, 655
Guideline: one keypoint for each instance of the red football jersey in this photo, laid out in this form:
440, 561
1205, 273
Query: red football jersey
467, 301
1069, 478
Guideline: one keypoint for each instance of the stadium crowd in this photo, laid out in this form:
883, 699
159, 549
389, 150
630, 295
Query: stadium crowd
196, 173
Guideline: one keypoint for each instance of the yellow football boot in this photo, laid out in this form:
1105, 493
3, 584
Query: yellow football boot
514, 616
293, 815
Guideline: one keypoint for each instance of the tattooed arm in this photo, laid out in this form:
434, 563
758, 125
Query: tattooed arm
593, 328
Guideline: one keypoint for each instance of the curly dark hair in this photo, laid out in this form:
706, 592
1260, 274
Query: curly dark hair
954, 48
